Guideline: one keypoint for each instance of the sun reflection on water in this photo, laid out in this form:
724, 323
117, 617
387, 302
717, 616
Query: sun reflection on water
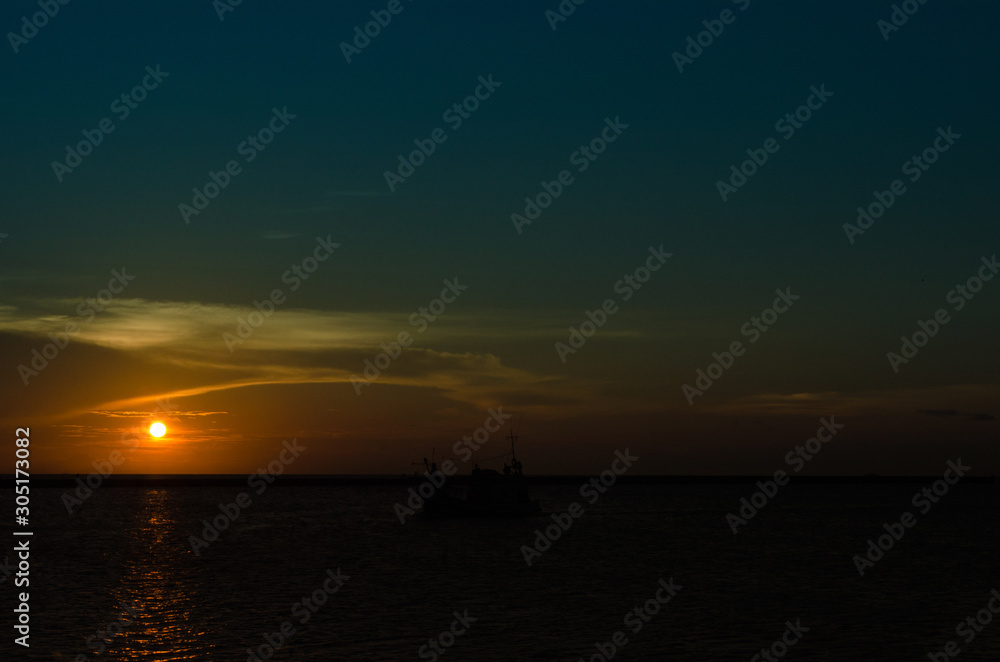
160, 585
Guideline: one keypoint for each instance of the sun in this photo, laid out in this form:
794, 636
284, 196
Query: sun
157, 429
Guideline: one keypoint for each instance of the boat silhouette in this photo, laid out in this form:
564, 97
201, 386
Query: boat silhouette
490, 493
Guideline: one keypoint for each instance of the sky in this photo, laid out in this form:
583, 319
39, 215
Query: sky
309, 118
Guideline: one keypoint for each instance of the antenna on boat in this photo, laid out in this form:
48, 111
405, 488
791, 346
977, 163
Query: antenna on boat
515, 465
512, 438
428, 465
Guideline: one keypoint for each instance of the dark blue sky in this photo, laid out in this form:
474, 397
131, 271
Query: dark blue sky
324, 175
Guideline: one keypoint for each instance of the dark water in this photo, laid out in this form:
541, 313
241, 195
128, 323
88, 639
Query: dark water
792, 562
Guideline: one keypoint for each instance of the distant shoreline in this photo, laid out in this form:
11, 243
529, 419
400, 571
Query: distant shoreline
216, 480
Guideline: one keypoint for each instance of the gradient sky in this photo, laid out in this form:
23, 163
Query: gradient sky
323, 176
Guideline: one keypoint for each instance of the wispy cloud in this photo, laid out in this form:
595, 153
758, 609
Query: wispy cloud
119, 413
188, 329
941, 402
183, 343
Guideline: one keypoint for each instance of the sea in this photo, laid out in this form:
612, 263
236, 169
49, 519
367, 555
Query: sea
645, 572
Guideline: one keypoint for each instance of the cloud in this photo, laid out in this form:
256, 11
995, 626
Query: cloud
118, 413
181, 347
189, 327
278, 235
194, 331
900, 402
